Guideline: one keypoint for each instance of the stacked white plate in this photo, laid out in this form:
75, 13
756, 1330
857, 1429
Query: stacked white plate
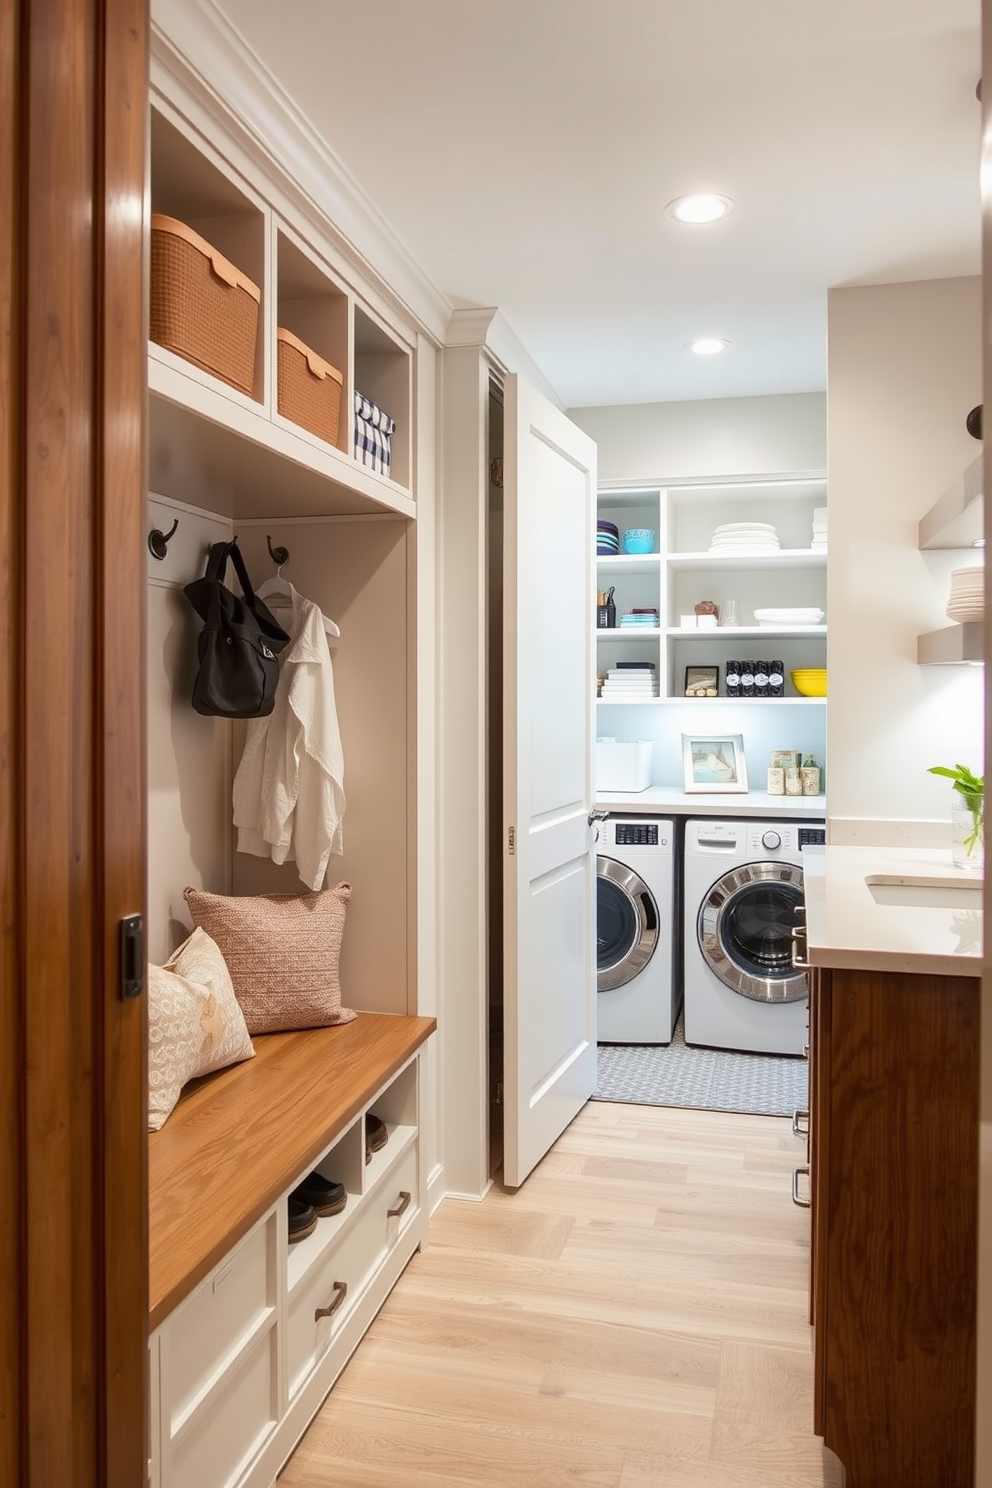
789, 619
967, 601
744, 539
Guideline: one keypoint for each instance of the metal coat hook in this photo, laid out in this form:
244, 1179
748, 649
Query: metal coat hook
279, 556
158, 541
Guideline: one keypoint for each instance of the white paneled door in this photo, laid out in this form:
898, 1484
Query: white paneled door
549, 880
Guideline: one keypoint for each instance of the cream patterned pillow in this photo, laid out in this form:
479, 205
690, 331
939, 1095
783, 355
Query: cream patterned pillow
283, 951
195, 1025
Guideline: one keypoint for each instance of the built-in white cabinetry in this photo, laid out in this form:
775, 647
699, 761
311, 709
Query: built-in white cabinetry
956, 521
684, 571
248, 1337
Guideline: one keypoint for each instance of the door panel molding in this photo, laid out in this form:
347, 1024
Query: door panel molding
73, 1242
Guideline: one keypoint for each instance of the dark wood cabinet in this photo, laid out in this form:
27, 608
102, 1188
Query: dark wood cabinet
894, 1174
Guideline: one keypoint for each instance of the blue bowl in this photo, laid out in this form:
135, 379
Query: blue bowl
638, 540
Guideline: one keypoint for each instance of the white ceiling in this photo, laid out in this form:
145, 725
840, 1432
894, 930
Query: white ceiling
524, 151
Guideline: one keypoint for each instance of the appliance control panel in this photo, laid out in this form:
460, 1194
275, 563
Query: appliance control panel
638, 833
755, 838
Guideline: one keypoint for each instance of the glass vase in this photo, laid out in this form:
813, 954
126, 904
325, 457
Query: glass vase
967, 835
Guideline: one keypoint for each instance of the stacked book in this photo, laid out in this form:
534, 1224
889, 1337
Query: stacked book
630, 682
645, 619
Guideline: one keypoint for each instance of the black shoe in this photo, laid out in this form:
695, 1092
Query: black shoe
375, 1135
324, 1195
302, 1220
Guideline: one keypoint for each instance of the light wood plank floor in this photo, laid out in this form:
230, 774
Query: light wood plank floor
633, 1317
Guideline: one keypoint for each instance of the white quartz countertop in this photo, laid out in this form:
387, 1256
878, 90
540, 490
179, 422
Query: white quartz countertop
659, 800
892, 909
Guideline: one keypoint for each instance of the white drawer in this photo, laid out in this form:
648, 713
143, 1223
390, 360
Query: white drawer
339, 1277
203, 1336
213, 1450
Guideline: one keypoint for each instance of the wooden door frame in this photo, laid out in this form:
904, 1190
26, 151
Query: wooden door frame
73, 1165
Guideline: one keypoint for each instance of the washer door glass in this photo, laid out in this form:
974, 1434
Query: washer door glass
745, 929
626, 924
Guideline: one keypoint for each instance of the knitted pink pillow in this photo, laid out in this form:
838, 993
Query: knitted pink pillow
283, 953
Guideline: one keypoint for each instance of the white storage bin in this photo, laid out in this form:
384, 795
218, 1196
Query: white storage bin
623, 764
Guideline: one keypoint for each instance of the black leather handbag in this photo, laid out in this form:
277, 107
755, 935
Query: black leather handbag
239, 645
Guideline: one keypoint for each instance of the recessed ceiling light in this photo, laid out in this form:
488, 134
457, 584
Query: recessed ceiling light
708, 345
702, 207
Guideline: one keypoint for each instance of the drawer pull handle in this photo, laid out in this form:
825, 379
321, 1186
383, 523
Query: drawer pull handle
799, 961
806, 1051
798, 1130
341, 1291
798, 1173
403, 1203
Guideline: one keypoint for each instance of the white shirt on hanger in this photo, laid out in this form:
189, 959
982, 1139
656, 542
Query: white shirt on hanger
289, 787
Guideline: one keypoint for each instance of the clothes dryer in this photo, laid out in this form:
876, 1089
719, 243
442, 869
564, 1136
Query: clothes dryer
742, 882
637, 931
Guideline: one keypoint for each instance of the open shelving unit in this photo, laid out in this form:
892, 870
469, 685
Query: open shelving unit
683, 571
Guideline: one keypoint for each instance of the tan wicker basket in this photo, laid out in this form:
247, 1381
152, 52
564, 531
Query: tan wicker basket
309, 387
201, 306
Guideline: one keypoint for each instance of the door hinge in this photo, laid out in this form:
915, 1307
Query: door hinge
513, 841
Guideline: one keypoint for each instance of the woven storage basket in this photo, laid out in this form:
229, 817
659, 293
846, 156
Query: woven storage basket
309, 387
201, 306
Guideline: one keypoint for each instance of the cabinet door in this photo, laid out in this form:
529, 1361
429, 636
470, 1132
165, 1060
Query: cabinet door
549, 879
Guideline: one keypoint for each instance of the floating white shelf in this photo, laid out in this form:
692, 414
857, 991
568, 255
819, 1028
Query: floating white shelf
954, 645
956, 519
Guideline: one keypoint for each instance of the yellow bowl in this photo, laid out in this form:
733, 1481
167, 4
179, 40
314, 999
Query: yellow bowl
810, 681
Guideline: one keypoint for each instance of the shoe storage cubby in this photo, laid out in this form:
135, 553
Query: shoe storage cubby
215, 446
683, 571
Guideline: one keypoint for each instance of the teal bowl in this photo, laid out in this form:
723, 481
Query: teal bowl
638, 540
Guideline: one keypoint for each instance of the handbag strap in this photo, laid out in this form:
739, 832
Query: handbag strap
234, 553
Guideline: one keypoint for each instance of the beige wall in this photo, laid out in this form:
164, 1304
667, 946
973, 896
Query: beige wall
904, 368
707, 438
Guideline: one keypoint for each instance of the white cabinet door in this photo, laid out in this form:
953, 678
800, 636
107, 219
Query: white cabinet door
549, 880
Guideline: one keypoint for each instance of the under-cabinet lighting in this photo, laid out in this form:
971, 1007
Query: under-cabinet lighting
708, 345
703, 206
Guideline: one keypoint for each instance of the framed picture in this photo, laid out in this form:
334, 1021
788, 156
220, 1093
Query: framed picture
702, 681
713, 762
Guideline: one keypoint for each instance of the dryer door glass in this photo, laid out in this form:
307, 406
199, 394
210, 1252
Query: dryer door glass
626, 924
745, 929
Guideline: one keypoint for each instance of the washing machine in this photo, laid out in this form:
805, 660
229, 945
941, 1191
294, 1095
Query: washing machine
637, 931
742, 881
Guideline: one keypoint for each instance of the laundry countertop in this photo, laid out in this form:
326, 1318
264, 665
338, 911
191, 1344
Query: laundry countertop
892, 909
669, 800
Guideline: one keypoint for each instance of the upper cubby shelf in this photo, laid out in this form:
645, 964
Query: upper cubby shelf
284, 439
956, 519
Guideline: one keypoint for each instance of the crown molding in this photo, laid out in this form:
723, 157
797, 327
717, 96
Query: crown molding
488, 329
194, 43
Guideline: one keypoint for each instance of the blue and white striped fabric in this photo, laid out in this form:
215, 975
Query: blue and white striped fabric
373, 427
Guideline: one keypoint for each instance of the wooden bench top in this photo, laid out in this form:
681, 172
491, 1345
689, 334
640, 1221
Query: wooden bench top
237, 1139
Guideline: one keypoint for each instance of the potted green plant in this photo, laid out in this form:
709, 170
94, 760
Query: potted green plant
967, 816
